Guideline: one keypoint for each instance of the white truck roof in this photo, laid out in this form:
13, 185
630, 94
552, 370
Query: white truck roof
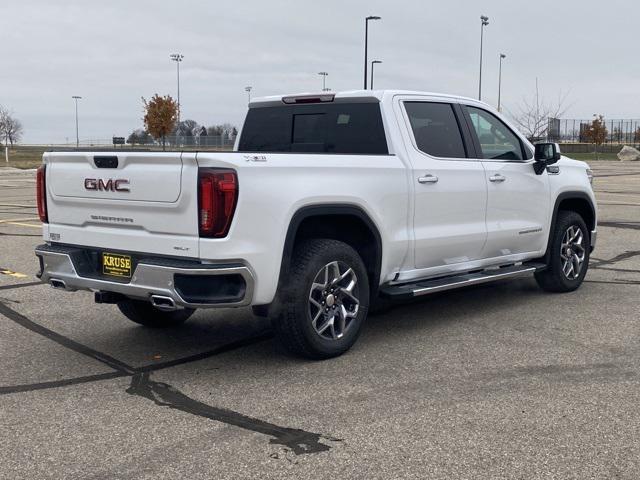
357, 95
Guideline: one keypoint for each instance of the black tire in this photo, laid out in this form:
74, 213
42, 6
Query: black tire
142, 312
554, 278
299, 303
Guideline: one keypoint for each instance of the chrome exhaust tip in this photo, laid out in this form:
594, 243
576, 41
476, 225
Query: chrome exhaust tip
59, 284
163, 303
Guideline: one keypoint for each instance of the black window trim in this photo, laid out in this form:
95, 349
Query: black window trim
527, 156
467, 133
469, 147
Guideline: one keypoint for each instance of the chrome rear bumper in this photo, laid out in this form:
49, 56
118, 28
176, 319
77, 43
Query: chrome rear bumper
152, 279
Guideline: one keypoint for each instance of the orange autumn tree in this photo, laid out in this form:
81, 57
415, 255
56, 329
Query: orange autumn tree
596, 132
161, 115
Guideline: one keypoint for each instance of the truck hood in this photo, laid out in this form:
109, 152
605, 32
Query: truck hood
570, 162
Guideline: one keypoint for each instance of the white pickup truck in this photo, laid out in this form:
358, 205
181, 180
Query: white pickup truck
328, 202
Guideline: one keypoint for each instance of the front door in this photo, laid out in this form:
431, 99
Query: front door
518, 199
449, 185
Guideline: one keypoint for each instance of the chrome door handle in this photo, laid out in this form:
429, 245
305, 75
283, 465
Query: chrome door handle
428, 179
497, 178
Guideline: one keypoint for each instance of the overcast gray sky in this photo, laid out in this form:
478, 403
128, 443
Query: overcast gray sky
114, 52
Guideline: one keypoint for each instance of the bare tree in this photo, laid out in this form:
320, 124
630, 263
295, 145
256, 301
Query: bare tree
10, 127
532, 117
139, 136
223, 130
4, 115
14, 130
214, 131
187, 127
186, 131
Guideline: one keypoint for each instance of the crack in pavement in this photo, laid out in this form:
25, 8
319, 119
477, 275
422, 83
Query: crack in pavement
20, 285
616, 175
618, 192
203, 355
30, 387
19, 235
618, 258
65, 341
599, 264
620, 270
164, 395
617, 204
617, 281
300, 442
624, 225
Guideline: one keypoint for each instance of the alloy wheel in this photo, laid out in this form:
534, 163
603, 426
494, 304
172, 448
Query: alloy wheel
333, 300
572, 252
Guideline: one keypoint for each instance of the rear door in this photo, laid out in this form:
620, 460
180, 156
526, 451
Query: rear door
450, 191
134, 201
518, 199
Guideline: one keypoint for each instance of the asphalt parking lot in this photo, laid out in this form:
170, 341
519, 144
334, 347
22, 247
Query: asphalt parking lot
498, 381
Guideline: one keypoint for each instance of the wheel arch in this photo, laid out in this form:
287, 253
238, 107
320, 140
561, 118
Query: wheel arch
354, 220
348, 223
575, 201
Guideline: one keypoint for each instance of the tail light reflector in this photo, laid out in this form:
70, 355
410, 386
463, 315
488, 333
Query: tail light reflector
217, 198
41, 193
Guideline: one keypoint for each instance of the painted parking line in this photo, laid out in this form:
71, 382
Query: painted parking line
24, 219
32, 225
11, 273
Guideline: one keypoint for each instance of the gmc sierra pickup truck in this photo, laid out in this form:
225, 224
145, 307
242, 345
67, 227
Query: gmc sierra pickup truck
328, 202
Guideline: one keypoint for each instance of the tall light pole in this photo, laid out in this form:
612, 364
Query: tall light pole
484, 21
177, 57
502, 56
366, 41
324, 80
372, 64
248, 90
76, 98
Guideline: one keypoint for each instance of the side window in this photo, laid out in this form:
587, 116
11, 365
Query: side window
497, 141
436, 129
356, 128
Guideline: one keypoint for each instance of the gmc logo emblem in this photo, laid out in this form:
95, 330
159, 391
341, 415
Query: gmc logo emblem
110, 185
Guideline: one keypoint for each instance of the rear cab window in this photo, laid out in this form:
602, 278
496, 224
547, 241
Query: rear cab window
340, 128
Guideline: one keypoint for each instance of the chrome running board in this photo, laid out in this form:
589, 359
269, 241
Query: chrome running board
425, 287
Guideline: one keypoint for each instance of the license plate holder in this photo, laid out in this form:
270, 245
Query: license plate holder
116, 265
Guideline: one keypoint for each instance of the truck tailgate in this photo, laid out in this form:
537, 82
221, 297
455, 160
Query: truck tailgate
133, 201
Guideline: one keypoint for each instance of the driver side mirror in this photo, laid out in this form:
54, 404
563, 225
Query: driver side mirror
546, 154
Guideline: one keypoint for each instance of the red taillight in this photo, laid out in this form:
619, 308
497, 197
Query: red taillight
217, 198
41, 193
